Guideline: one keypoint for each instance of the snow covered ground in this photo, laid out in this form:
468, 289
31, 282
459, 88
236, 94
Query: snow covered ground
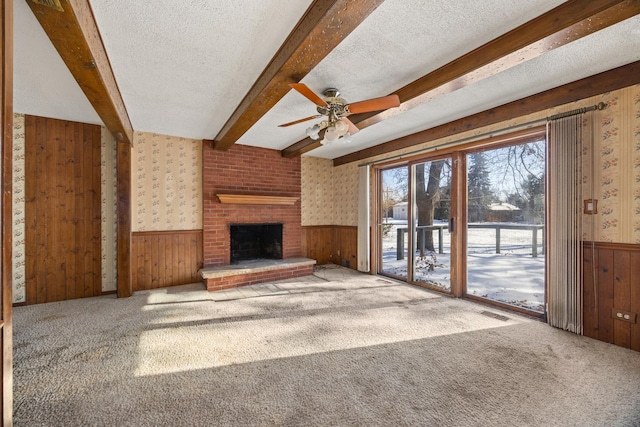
512, 276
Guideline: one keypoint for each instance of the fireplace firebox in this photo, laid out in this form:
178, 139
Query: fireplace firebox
255, 241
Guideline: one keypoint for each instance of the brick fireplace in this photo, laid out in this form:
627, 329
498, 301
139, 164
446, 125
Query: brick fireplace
264, 174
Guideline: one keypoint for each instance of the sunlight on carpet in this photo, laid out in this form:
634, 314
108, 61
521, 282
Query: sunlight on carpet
195, 343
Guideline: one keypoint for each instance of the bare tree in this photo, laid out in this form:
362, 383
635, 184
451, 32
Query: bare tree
395, 188
428, 195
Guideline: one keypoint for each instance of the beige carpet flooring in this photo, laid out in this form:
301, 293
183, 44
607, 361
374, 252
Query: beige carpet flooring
335, 349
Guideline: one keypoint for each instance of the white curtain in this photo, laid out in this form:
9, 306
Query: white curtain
363, 218
564, 272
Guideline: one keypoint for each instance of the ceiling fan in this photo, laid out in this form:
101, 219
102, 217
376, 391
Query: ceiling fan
336, 110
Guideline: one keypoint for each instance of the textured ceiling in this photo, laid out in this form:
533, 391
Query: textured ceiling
183, 67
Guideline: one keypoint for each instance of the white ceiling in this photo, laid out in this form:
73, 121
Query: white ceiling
42, 84
183, 67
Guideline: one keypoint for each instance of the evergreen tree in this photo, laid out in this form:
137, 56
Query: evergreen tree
479, 188
533, 189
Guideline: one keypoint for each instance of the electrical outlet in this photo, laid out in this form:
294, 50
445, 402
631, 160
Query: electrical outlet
625, 316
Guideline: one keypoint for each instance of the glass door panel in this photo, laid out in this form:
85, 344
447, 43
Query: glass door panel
393, 231
505, 225
431, 210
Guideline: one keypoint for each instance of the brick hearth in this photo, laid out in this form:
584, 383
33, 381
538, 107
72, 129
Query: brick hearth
254, 272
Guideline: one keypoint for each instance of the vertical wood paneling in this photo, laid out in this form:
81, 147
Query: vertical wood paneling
605, 293
192, 251
589, 306
168, 262
63, 211
162, 266
634, 298
621, 297
31, 243
318, 243
96, 257
331, 244
148, 272
72, 169
199, 255
346, 244
49, 217
182, 261
166, 258
618, 290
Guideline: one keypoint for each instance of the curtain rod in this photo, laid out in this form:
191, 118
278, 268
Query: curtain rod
600, 106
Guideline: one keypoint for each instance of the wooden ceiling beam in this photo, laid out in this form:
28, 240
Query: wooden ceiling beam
562, 25
74, 33
607, 81
325, 24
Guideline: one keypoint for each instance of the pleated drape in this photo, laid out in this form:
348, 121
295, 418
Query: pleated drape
564, 233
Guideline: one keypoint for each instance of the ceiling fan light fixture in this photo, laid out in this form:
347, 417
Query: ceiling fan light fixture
341, 128
313, 132
338, 126
331, 134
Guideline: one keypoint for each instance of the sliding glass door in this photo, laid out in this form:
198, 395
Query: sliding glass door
393, 214
414, 212
431, 210
505, 225
494, 197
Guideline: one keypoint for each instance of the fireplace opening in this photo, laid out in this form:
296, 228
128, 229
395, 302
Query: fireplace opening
255, 241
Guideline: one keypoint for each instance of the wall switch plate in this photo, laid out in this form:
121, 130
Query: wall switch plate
591, 206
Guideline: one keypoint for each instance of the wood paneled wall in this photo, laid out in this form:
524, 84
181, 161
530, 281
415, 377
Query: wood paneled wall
337, 244
62, 210
166, 258
318, 243
614, 295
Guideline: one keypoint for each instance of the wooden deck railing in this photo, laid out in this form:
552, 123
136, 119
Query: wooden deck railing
421, 238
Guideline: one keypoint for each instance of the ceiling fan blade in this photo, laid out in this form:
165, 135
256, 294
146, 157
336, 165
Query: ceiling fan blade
295, 122
304, 90
375, 104
353, 129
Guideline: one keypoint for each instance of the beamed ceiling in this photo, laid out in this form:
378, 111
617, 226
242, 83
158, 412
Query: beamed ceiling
220, 70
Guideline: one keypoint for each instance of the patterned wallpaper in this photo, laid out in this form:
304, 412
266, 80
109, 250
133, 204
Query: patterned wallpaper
166, 183
318, 205
636, 163
345, 185
108, 189
18, 217
329, 195
616, 171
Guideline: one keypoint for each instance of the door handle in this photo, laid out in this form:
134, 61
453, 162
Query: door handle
450, 225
